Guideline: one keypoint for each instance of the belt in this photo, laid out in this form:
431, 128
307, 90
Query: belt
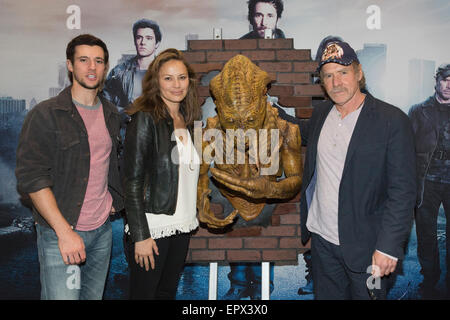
441, 155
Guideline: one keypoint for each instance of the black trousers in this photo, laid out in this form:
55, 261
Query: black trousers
160, 283
434, 195
333, 280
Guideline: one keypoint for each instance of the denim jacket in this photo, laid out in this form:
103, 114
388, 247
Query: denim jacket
53, 151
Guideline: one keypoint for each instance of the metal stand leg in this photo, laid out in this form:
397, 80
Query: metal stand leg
265, 280
212, 295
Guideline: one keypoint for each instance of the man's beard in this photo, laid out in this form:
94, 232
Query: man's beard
86, 86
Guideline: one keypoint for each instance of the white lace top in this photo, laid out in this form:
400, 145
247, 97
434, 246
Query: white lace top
185, 217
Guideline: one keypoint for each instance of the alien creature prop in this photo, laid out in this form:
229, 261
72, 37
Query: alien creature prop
250, 146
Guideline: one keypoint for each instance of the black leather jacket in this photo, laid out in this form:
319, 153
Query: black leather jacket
150, 173
425, 122
119, 84
53, 152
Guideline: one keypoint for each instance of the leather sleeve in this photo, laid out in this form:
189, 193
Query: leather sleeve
138, 140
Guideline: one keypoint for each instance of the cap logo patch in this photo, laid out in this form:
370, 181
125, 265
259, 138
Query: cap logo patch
332, 51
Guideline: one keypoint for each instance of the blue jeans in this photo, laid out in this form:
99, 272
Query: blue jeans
74, 282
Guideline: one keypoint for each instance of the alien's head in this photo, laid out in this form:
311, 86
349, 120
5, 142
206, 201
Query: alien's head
239, 92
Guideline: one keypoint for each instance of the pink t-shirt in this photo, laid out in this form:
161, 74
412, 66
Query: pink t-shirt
97, 201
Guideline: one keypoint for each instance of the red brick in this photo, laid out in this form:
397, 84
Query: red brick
310, 66
290, 243
284, 208
309, 90
208, 255
275, 220
290, 219
243, 255
294, 55
276, 66
225, 243
195, 243
274, 255
304, 113
206, 67
276, 43
203, 232
245, 232
220, 55
256, 55
203, 91
263, 243
272, 76
296, 78
194, 56
284, 231
205, 44
295, 101
281, 90
247, 44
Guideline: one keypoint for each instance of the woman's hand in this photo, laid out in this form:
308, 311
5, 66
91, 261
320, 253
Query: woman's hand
143, 253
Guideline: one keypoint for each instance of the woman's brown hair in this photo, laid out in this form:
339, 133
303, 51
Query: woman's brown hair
150, 99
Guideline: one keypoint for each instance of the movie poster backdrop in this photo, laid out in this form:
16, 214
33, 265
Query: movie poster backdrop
399, 43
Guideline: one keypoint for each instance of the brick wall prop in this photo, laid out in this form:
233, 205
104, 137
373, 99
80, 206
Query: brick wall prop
291, 73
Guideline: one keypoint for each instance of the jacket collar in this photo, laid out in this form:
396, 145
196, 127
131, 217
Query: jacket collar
64, 101
364, 121
369, 105
431, 101
428, 110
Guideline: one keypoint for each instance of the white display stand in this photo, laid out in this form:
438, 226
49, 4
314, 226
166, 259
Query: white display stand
212, 295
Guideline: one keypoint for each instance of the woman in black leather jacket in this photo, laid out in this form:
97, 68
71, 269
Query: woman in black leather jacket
161, 169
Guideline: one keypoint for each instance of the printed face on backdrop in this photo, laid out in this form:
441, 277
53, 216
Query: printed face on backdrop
173, 81
265, 18
443, 89
145, 42
341, 82
88, 66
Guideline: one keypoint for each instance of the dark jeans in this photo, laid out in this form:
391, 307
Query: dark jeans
160, 283
434, 195
333, 280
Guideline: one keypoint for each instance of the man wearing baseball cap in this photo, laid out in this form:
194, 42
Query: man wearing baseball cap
431, 125
359, 185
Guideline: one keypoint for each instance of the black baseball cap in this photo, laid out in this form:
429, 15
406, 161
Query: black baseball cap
338, 52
